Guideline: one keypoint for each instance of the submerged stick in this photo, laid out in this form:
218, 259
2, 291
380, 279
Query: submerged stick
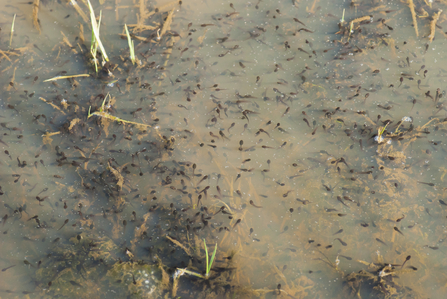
142, 7
166, 24
413, 15
79, 10
52, 105
433, 22
360, 19
103, 114
66, 77
4, 55
312, 9
66, 41
12, 29
187, 251
35, 13
81, 33
356, 20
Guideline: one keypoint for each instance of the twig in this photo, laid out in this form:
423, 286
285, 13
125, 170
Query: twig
79, 10
52, 105
66, 77
4, 54
166, 24
65, 40
35, 13
179, 245
103, 114
413, 15
435, 19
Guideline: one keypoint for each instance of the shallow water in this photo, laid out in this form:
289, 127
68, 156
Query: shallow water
250, 129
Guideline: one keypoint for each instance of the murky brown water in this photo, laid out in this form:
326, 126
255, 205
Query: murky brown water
310, 150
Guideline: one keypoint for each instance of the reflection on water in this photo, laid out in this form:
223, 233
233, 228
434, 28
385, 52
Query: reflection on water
303, 141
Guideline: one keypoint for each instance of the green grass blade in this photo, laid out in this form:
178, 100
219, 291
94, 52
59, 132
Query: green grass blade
206, 254
95, 29
383, 130
130, 42
212, 259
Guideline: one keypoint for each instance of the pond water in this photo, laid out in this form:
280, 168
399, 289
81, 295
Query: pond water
301, 141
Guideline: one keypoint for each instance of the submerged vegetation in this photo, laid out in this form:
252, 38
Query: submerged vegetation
131, 45
209, 264
103, 114
303, 139
96, 41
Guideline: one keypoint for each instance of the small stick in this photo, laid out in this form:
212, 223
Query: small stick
81, 33
188, 252
66, 77
35, 13
79, 10
361, 19
413, 15
52, 105
435, 19
4, 54
312, 9
166, 24
65, 40
102, 113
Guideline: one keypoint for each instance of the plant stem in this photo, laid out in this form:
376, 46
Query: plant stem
206, 255
12, 29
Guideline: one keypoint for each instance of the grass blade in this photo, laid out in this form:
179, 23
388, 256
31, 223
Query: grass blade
206, 254
95, 29
12, 30
212, 260
131, 45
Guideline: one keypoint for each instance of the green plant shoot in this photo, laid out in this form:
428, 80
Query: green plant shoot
131, 45
209, 264
96, 41
383, 130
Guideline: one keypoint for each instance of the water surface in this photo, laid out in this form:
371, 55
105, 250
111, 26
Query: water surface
309, 150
